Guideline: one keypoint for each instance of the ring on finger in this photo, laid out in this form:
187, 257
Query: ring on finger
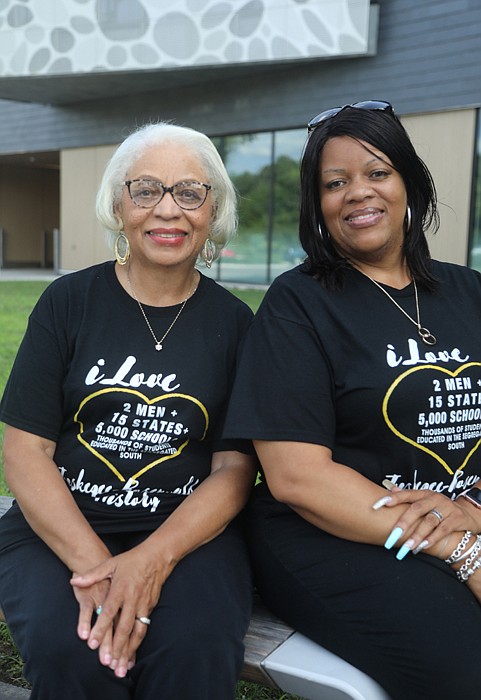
144, 620
437, 514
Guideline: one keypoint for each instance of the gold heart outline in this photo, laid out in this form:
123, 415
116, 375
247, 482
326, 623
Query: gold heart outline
149, 401
407, 439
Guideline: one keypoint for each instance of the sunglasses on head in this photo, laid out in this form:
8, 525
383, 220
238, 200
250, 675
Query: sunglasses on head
376, 105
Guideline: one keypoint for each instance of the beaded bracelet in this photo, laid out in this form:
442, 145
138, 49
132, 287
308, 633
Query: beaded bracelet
469, 572
454, 557
466, 553
467, 569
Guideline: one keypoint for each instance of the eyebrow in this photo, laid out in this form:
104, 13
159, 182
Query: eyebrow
342, 170
151, 178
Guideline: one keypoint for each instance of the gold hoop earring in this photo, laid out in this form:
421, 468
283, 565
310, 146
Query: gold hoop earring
208, 252
122, 249
408, 219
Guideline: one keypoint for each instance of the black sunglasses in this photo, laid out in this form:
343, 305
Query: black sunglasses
379, 105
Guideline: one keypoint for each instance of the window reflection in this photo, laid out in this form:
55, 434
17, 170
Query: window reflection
286, 250
265, 170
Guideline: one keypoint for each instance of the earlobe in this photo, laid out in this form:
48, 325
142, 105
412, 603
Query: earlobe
118, 217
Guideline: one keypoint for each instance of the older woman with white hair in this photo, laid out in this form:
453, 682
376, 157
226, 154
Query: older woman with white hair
124, 574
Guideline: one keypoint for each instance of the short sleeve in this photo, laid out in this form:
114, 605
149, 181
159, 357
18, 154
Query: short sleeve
283, 389
33, 397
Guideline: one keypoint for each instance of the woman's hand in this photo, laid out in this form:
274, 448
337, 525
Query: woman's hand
428, 522
90, 599
132, 582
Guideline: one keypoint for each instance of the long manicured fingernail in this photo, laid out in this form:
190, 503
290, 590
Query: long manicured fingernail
388, 484
422, 545
393, 537
405, 549
382, 502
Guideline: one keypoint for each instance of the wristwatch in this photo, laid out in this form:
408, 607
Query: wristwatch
472, 495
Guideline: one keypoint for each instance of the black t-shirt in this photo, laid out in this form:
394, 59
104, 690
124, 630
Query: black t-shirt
346, 369
134, 428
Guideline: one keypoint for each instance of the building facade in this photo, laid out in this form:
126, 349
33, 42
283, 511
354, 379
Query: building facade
76, 76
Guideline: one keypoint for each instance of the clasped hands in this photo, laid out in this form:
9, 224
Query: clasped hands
126, 588
430, 521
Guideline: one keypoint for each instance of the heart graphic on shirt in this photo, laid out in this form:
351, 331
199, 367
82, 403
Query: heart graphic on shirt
447, 422
132, 434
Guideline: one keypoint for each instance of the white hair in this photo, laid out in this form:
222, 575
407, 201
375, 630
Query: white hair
223, 193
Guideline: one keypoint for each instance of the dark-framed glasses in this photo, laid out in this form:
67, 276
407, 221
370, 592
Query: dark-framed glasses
376, 105
188, 194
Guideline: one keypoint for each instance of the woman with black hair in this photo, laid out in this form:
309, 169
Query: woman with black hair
360, 385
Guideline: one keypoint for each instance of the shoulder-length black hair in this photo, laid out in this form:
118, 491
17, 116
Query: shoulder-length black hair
384, 132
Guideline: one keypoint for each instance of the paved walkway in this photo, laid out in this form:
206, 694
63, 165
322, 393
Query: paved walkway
13, 692
30, 275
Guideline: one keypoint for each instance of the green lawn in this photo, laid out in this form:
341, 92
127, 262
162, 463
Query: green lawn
16, 301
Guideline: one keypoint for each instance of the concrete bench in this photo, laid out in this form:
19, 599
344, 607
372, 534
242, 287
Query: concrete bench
278, 657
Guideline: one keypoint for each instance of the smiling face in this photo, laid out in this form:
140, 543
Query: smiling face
363, 202
166, 234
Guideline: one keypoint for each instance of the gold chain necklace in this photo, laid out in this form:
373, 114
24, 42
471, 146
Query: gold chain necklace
158, 343
425, 335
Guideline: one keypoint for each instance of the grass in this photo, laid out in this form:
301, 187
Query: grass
10, 662
16, 301
252, 297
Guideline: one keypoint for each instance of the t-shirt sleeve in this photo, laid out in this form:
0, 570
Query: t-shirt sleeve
283, 389
33, 397
220, 442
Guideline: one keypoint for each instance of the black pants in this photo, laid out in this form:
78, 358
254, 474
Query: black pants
410, 625
193, 649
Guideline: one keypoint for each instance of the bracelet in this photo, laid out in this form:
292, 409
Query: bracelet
466, 570
469, 572
474, 555
454, 557
467, 553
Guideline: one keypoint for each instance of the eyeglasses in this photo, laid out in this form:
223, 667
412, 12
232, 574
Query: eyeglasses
148, 193
376, 105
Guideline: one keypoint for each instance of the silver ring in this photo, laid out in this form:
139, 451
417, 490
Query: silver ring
98, 610
436, 514
143, 620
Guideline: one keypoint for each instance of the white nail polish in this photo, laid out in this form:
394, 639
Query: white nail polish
382, 502
422, 545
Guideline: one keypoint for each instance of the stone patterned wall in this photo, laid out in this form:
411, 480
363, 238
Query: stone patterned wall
76, 36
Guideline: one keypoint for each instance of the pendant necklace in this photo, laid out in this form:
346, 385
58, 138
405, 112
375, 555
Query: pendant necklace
159, 342
426, 336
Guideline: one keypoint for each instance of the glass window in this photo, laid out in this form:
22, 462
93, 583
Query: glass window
264, 167
248, 159
285, 249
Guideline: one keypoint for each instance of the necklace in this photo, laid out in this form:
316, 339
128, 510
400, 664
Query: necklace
425, 335
158, 343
